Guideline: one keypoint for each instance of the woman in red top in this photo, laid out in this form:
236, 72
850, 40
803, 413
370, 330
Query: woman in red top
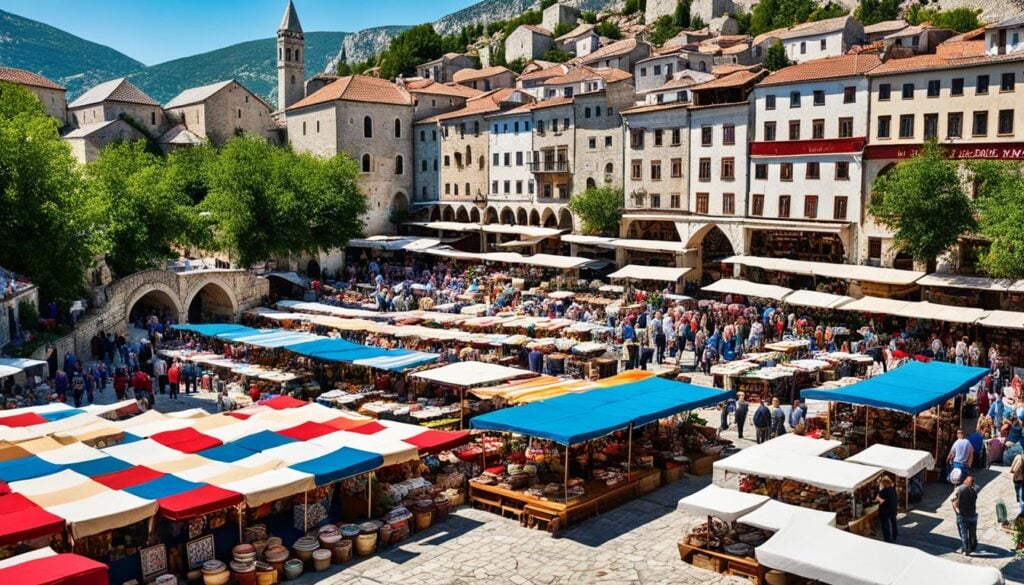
120, 383
174, 378
254, 393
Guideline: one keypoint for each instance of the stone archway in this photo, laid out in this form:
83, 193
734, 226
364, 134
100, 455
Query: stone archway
435, 213
547, 218
534, 217
211, 301
664, 231
507, 216
565, 220
715, 245
474, 215
522, 217
461, 215
448, 214
154, 299
491, 216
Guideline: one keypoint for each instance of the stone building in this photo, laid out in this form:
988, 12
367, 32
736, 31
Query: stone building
291, 69
580, 41
510, 145
430, 99
10, 308
113, 100
527, 42
707, 10
87, 141
554, 149
598, 134
445, 67
221, 110
370, 119
657, 70
559, 13
622, 55
52, 96
813, 40
532, 80
485, 79
584, 80
657, 157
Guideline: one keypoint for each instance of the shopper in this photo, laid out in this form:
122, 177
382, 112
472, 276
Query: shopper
965, 503
797, 417
961, 454
1017, 473
778, 419
741, 412
887, 504
762, 422
77, 387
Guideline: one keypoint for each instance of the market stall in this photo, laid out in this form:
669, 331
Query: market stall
46, 567
461, 376
728, 286
902, 465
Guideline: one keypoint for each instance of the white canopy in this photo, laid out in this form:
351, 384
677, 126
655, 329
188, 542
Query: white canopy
271, 485
649, 245
925, 569
728, 505
801, 445
144, 452
775, 515
926, 310
820, 300
61, 480
901, 462
829, 474
875, 305
103, 511
661, 273
41, 553
1003, 319
748, 289
472, 374
73, 453
968, 282
12, 366
830, 270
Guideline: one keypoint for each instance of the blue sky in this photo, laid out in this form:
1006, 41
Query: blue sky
154, 31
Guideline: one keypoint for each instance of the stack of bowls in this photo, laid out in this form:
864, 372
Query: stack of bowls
274, 541
215, 573
328, 535
304, 548
275, 556
349, 532
321, 559
292, 569
266, 574
244, 572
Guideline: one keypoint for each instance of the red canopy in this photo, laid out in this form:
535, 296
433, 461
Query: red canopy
66, 569
127, 478
283, 402
368, 428
22, 420
239, 415
21, 519
431, 441
186, 440
307, 430
197, 502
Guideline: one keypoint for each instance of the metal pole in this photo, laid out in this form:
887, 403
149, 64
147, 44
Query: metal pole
305, 511
914, 434
629, 454
462, 410
867, 416
567, 473
369, 496
240, 522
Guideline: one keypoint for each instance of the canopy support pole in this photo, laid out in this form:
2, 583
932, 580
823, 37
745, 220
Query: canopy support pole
240, 522
462, 407
629, 454
867, 417
914, 434
305, 511
566, 474
369, 496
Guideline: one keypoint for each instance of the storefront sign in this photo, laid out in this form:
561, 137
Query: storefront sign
986, 151
807, 147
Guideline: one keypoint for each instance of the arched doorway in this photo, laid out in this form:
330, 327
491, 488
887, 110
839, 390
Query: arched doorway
491, 216
664, 231
448, 214
521, 217
591, 184
211, 303
534, 217
474, 215
715, 246
157, 303
313, 268
507, 216
461, 216
565, 220
435, 213
548, 218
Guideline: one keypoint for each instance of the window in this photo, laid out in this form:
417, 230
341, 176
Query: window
811, 206
655, 170
980, 126
884, 123
884, 92
677, 137
813, 171
608, 170
702, 203
728, 204
769, 131
705, 136
704, 169
761, 171
729, 134
842, 171
519, 158
875, 248
956, 87
757, 205
769, 101
728, 169
519, 187
607, 141
423, 135
981, 87
367, 127
399, 165
494, 187
398, 128
839, 207
907, 126
636, 138
586, 112
655, 200
635, 171
565, 123
1007, 81
423, 165
818, 129
508, 159
931, 126
784, 201
540, 126
152, 117
933, 88
303, 128
794, 130
447, 189
495, 159
643, 72
597, 111
447, 161
658, 136
507, 187
318, 126
819, 97
794, 99
803, 47
849, 95
677, 168
515, 127
674, 200
786, 171
845, 127
366, 163
1005, 122
954, 125
592, 143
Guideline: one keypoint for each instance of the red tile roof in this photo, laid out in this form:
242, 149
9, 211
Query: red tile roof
827, 68
654, 108
550, 103
22, 77
938, 61
615, 49
357, 88
482, 104
586, 74
445, 89
543, 73
736, 79
463, 75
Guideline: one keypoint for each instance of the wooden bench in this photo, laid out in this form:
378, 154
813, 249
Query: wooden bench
488, 504
547, 519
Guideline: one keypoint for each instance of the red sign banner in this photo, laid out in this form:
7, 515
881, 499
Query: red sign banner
807, 147
985, 151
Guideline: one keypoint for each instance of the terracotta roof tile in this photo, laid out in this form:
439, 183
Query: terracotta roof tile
827, 68
580, 74
550, 103
927, 62
23, 77
736, 79
471, 74
543, 73
357, 88
961, 49
582, 29
536, 29
886, 26
482, 104
446, 89
608, 51
654, 108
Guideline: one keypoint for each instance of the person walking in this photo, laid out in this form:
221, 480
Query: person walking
762, 422
160, 373
797, 418
965, 504
1017, 473
740, 416
778, 419
188, 377
121, 383
887, 506
77, 387
174, 378
961, 455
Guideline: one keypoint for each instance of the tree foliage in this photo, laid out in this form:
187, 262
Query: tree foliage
775, 58
831, 9
870, 12
563, 28
664, 29
410, 48
960, 20
772, 14
599, 209
681, 16
608, 29
516, 65
742, 20
589, 17
923, 202
343, 68
557, 55
48, 221
633, 6
1000, 203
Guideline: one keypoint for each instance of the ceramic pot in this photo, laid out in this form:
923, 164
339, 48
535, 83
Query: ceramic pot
292, 569
321, 559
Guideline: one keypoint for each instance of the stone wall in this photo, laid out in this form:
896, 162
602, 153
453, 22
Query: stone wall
29, 295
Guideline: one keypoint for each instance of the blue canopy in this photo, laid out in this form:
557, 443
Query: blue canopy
29, 467
164, 486
55, 415
397, 362
101, 466
261, 441
225, 453
912, 388
322, 346
340, 464
273, 338
213, 329
574, 418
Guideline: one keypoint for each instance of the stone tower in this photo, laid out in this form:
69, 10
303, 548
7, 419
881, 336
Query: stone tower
290, 69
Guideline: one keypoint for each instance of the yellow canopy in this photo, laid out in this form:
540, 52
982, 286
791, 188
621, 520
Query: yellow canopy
627, 377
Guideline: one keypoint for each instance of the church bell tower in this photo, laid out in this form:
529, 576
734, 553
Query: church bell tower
290, 69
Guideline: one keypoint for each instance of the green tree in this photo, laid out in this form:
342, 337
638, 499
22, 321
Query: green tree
516, 65
563, 28
664, 29
870, 12
632, 7
681, 17
775, 58
544, 4
742, 21
1000, 206
608, 29
697, 23
557, 56
589, 17
410, 48
49, 222
829, 10
268, 201
923, 202
343, 69
772, 14
960, 20
600, 210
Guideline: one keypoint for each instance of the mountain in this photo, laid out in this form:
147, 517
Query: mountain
491, 10
73, 62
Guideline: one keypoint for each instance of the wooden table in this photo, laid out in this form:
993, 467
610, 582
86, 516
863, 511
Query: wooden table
597, 499
724, 563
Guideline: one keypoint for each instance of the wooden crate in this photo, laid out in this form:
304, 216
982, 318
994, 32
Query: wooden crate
672, 475
649, 483
707, 562
702, 464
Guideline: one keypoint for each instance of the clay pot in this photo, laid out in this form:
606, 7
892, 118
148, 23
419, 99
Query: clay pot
342, 551
217, 578
292, 569
321, 559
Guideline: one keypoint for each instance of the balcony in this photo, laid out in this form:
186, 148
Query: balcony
550, 166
